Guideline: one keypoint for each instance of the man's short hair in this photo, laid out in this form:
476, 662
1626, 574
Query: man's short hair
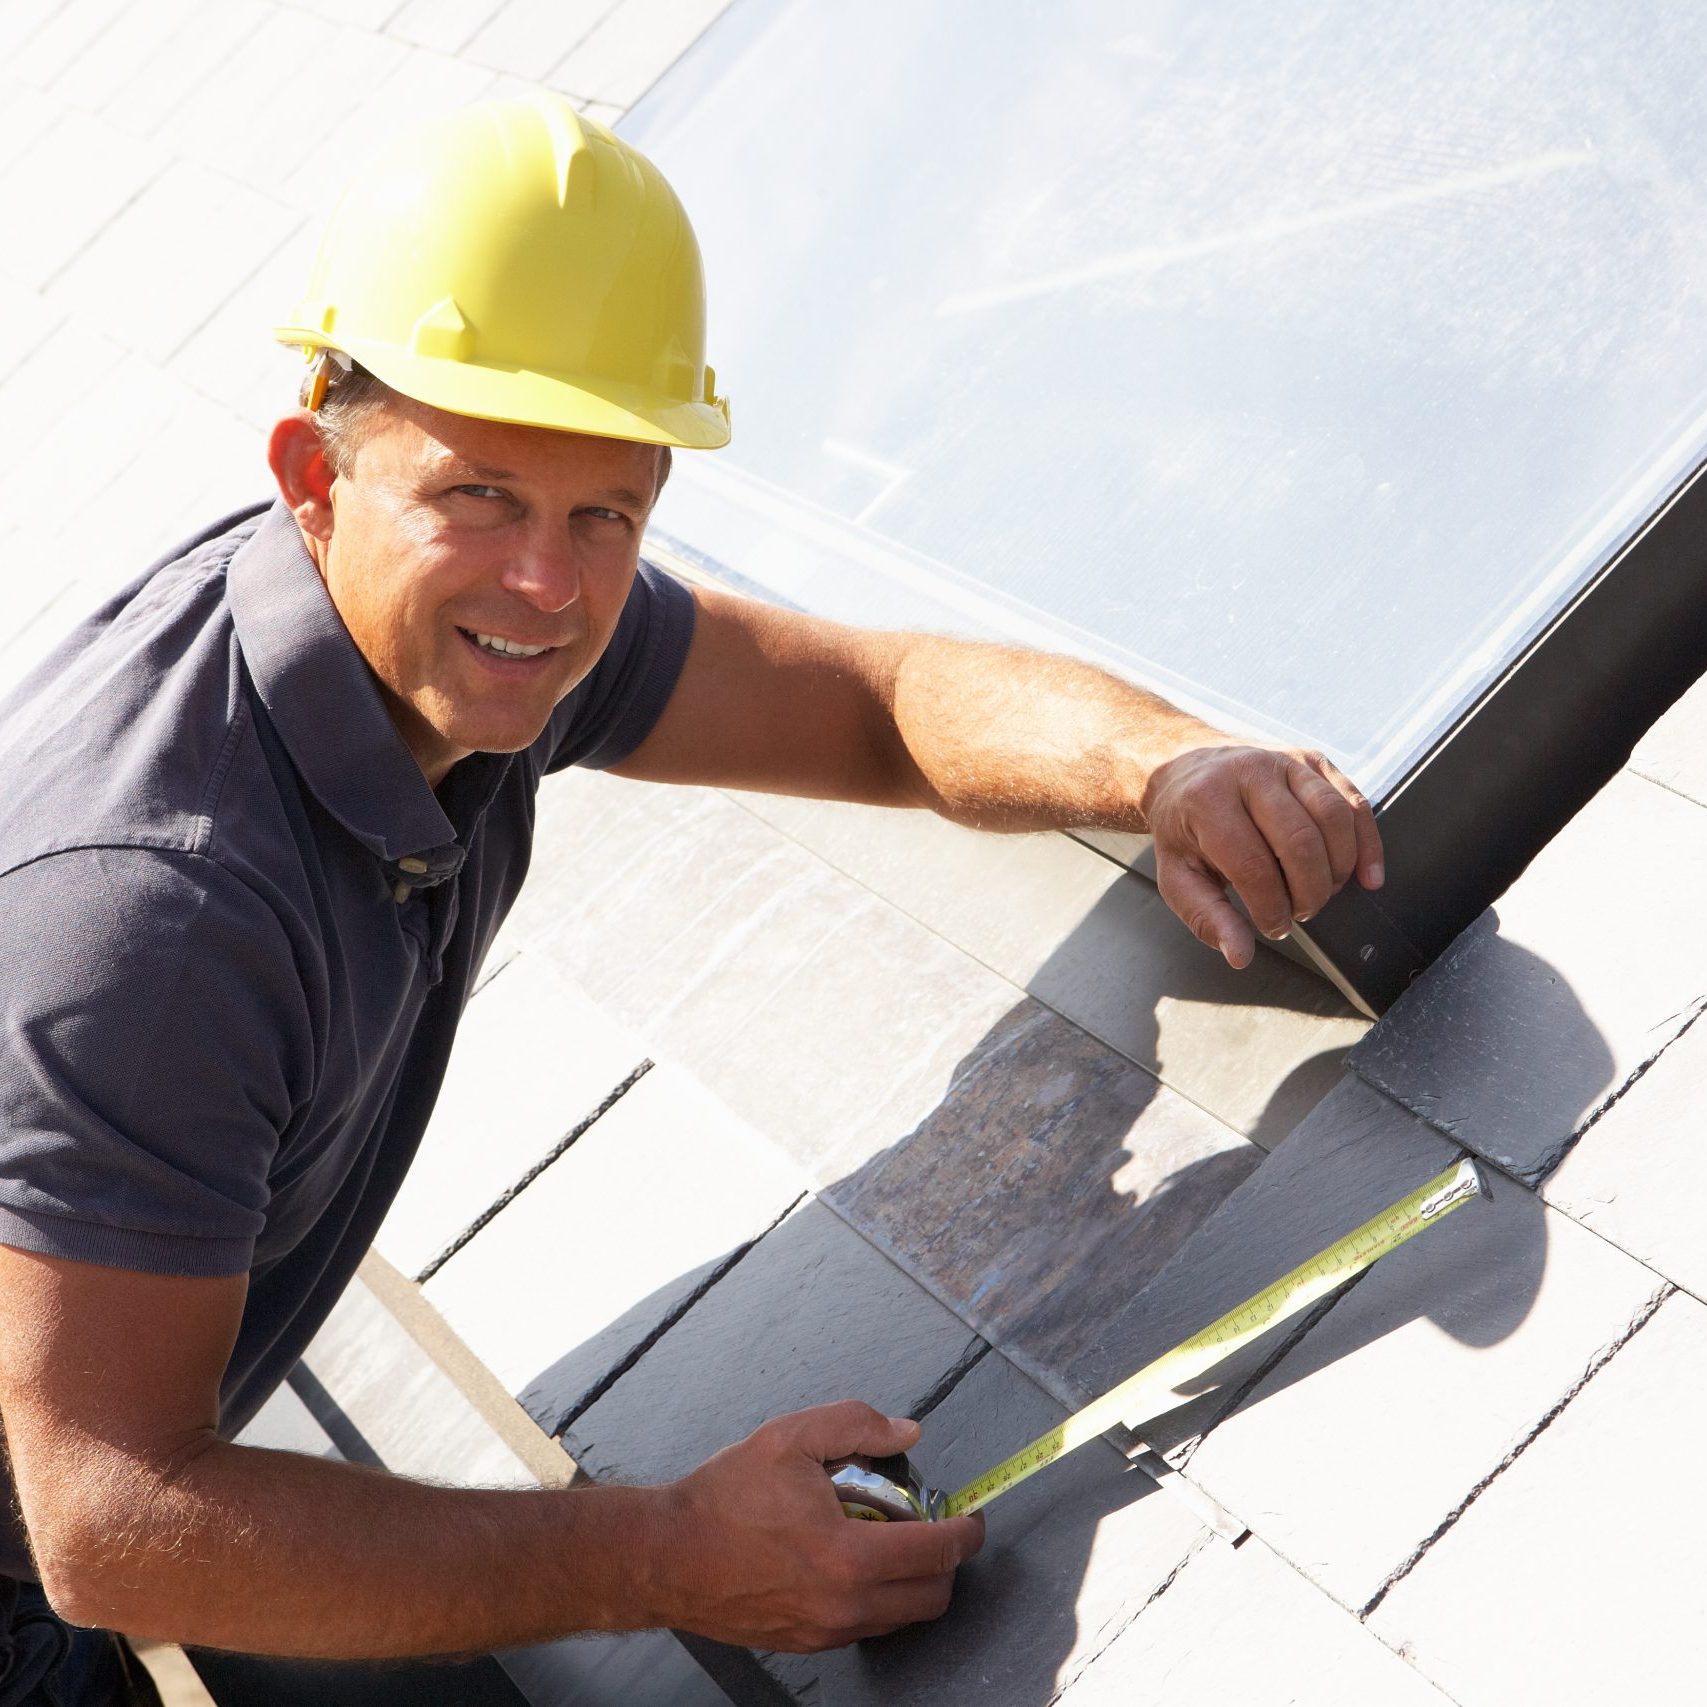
354, 398
351, 402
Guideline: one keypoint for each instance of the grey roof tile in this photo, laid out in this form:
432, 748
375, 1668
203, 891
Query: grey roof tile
1557, 997
1575, 1576
533, 1057
447, 25
812, 1314
1040, 1114
185, 63
1238, 1625
62, 190
189, 219
1639, 1175
1674, 752
565, 1284
72, 29
630, 48
529, 37
295, 77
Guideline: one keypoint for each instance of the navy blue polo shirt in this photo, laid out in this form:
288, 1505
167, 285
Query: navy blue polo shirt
238, 928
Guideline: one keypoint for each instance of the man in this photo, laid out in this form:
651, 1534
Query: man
267, 810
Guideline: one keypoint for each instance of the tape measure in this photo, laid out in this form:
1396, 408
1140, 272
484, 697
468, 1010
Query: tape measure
888, 1490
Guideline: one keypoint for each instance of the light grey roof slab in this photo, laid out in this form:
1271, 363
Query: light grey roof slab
420, 84
1256, 1048
1053, 1180
810, 1315
402, 1404
446, 25
21, 21
528, 37
188, 218
1575, 1576
1674, 752
1238, 1625
533, 1058
240, 118
64, 36
573, 1276
1638, 1177
1354, 1155
1417, 1383
1552, 1001
285, 1424
1070, 1558
630, 48
818, 1012
181, 68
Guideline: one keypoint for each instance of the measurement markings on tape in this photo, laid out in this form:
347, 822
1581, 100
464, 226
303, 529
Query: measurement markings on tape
1154, 1390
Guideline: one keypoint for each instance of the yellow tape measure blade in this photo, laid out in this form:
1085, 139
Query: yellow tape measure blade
1154, 1390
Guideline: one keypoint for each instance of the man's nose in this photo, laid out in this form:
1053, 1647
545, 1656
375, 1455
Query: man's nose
545, 572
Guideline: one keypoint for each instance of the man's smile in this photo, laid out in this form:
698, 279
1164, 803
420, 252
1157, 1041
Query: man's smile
498, 652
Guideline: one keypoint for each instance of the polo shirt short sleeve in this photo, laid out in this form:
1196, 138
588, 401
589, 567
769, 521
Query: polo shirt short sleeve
157, 1042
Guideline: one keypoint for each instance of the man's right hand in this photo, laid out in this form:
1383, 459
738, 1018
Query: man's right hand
763, 1555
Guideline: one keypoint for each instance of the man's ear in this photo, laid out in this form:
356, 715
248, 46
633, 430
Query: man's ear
298, 461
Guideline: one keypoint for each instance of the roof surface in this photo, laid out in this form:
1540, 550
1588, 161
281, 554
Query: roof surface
768, 1102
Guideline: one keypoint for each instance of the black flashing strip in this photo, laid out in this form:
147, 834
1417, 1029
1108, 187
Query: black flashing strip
505, 1198
1524, 761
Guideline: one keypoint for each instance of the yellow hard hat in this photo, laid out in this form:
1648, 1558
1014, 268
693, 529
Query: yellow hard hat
517, 262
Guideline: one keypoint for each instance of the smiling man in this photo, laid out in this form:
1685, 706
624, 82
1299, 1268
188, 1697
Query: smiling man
269, 806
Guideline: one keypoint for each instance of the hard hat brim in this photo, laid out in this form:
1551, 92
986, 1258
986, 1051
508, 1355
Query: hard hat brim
528, 398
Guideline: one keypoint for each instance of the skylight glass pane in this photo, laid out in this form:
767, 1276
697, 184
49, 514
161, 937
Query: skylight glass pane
1302, 361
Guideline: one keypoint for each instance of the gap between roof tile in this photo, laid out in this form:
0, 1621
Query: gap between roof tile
1640, 1320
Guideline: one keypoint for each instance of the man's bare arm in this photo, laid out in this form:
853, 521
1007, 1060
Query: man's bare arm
144, 1521
1006, 739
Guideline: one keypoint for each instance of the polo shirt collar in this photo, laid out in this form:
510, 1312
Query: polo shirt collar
324, 703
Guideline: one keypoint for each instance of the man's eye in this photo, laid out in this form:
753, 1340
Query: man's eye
482, 491
599, 513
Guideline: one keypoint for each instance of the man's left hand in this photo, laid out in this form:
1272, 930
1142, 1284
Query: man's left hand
1282, 827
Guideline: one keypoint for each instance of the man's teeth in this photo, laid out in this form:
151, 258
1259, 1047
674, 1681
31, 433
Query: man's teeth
510, 648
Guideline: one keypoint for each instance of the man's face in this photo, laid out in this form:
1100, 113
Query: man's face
449, 533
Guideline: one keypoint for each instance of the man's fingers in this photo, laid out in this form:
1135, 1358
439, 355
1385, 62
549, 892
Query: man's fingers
1371, 869
910, 1552
1233, 845
842, 1430
1296, 842
892, 1605
1331, 813
1200, 899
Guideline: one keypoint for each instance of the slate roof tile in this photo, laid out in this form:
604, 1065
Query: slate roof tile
569, 1280
1574, 1577
1560, 994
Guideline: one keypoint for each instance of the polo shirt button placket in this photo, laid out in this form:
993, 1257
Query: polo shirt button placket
415, 868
